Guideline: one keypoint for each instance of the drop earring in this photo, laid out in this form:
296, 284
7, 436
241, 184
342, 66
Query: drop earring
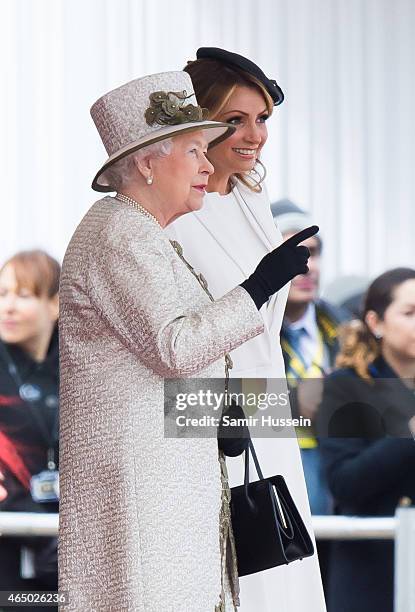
149, 180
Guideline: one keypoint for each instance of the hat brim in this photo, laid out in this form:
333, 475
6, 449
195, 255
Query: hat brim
215, 133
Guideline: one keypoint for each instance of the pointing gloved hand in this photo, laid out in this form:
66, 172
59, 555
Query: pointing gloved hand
278, 267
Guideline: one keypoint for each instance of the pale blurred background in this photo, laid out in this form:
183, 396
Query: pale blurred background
342, 144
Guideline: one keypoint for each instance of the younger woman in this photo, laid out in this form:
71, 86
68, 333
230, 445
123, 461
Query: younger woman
225, 240
367, 410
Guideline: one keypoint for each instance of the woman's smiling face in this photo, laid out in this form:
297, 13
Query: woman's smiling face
246, 109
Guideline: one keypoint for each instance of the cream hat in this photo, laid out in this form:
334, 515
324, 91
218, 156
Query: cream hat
148, 110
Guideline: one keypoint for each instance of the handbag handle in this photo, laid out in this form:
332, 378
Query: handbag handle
282, 517
251, 448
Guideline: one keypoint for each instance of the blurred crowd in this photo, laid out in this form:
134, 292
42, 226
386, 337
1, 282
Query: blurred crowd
351, 370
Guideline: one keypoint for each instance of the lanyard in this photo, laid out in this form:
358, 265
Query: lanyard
297, 369
31, 400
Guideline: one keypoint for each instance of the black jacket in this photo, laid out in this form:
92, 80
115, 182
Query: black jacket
369, 460
23, 447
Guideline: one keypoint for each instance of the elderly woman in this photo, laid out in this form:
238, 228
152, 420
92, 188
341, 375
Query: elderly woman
144, 523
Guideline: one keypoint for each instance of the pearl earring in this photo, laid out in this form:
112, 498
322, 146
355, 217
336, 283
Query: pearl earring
378, 335
149, 180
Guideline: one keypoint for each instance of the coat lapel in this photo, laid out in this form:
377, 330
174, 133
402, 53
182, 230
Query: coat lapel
226, 236
258, 215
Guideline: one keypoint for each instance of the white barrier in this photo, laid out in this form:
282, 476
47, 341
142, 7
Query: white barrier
325, 527
401, 527
354, 528
28, 524
405, 560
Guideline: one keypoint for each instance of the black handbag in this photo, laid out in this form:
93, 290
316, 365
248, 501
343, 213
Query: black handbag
267, 526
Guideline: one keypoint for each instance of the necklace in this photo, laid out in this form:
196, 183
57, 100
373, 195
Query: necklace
127, 200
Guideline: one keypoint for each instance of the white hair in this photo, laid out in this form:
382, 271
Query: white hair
122, 172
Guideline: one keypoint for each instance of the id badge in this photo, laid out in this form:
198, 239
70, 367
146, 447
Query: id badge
44, 487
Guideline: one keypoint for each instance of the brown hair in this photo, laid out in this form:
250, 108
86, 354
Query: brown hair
36, 271
358, 345
214, 83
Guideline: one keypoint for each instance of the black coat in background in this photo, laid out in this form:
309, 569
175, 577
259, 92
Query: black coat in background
20, 428
23, 453
370, 468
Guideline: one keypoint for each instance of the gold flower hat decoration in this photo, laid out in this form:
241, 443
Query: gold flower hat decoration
169, 108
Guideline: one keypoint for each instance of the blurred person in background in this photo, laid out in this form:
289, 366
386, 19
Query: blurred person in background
29, 381
347, 292
309, 345
368, 411
225, 240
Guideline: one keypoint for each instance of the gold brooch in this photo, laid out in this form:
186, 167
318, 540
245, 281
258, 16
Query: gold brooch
169, 108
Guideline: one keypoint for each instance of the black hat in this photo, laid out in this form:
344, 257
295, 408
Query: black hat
243, 63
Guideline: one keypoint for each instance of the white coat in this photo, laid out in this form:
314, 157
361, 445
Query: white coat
225, 240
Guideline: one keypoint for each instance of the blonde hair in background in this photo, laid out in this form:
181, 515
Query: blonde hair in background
358, 345
358, 348
214, 83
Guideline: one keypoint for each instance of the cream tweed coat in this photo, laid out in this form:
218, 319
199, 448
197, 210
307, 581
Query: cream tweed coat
139, 513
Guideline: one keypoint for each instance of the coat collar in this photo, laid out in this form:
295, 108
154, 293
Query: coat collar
381, 369
25, 362
255, 208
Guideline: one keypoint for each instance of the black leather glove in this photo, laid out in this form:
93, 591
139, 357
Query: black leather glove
278, 267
